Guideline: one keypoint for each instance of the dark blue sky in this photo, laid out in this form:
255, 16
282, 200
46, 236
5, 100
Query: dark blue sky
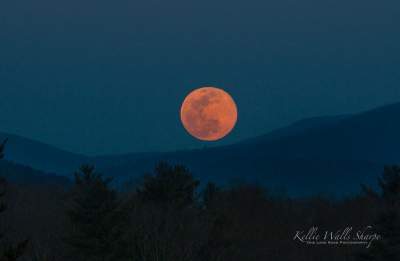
108, 76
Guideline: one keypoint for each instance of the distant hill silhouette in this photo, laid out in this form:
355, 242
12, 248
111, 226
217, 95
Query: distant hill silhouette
332, 155
41, 156
298, 127
329, 155
19, 174
369, 136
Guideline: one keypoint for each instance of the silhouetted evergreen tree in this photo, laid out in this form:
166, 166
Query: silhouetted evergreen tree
388, 223
166, 222
8, 252
169, 186
94, 217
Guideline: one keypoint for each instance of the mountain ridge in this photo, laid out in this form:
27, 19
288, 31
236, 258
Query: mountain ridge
334, 149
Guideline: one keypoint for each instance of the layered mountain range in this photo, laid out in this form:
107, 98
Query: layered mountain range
323, 155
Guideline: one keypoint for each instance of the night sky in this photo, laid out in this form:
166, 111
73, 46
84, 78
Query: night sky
102, 77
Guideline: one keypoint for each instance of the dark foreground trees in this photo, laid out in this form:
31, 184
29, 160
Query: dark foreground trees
95, 220
8, 251
388, 221
171, 217
168, 218
165, 220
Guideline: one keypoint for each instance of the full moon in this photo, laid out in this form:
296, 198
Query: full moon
209, 113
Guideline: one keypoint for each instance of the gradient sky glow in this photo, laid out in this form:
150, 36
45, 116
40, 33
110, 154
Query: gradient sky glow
101, 77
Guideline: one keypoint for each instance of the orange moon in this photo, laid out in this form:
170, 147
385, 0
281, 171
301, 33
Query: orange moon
209, 113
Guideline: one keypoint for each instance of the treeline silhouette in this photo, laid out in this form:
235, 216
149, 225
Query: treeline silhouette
169, 216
